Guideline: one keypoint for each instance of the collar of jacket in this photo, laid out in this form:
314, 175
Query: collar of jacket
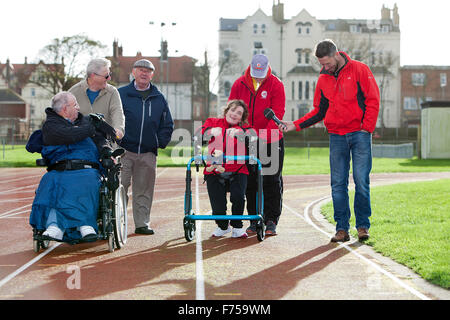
249, 80
84, 85
52, 114
347, 60
132, 92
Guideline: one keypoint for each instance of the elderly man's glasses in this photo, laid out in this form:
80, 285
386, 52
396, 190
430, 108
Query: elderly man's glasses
106, 77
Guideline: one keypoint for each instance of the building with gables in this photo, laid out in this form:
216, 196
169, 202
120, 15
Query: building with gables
28, 81
289, 44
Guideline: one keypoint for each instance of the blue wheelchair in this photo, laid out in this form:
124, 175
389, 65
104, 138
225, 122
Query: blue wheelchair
112, 212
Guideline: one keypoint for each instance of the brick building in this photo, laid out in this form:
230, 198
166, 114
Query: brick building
420, 84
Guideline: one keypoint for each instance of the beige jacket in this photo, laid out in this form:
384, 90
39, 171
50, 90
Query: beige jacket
107, 103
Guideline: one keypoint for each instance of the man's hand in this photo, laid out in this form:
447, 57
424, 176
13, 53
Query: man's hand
119, 134
288, 126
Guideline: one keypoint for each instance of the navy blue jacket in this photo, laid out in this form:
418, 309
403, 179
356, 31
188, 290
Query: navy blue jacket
148, 123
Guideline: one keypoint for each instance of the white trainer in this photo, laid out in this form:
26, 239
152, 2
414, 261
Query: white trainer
239, 233
220, 233
54, 232
85, 230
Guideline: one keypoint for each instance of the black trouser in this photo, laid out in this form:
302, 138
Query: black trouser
217, 191
272, 183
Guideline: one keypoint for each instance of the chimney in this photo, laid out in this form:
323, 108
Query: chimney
385, 13
278, 12
395, 16
115, 51
26, 60
120, 51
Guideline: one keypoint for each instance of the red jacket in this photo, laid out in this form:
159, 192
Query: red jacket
270, 94
347, 104
230, 146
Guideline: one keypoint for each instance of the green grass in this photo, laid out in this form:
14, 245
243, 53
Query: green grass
410, 223
297, 161
17, 156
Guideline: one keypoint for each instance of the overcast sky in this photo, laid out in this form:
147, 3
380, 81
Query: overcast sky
27, 26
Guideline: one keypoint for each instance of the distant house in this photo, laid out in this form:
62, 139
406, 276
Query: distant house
421, 84
13, 116
176, 77
29, 80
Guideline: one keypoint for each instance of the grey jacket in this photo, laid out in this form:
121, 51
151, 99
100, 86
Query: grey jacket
107, 103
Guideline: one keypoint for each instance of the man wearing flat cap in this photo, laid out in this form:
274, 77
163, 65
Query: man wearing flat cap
148, 127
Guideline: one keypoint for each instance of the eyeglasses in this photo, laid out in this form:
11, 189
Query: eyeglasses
106, 77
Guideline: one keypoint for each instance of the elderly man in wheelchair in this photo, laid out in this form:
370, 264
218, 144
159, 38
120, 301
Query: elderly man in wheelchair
80, 198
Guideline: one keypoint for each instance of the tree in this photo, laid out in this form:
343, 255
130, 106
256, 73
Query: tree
66, 60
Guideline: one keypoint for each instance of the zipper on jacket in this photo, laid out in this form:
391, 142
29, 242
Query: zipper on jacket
142, 126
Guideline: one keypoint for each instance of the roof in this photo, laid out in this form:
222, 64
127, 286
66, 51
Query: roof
436, 104
303, 69
180, 68
10, 97
230, 24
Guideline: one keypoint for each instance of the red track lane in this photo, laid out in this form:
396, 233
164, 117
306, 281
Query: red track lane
296, 264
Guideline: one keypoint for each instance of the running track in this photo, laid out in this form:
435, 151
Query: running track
299, 263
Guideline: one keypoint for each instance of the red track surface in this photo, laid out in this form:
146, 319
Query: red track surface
299, 263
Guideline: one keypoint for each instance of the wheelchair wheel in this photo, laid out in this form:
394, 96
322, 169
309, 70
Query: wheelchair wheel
120, 217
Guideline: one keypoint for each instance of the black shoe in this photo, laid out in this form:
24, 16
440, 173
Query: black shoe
92, 237
144, 230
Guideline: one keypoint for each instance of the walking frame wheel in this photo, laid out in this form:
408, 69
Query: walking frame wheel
189, 229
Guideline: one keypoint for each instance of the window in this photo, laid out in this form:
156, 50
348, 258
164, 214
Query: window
33, 92
293, 90
418, 79
263, 28
410, 103
226, 88
299, 56
307, 57
443, 79
355, 28
299, 30
307, 90
300, 89
384, 28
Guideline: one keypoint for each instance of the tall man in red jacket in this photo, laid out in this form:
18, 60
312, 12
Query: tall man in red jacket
348, 99
260, 89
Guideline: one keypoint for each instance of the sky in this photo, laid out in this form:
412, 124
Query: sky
27, 26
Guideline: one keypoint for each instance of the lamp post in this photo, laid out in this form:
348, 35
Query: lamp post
164, 56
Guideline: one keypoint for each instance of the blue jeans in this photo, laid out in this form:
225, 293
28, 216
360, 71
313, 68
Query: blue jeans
356, 146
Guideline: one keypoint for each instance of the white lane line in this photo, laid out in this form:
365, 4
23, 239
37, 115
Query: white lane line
13, 211
28, 264
376, 266
200, 280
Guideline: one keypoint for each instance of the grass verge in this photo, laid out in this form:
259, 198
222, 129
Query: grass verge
410, 224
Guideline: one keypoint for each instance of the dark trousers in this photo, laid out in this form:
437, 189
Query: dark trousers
217, 191
272, 181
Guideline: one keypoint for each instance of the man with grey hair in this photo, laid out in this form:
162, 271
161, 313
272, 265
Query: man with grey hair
95, 95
